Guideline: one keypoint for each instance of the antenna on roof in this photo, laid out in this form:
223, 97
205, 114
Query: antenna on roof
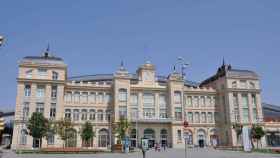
46, 54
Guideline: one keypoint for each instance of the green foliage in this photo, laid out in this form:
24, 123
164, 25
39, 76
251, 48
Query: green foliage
37, 125
257, 132
122, 128
87, 132
61, 127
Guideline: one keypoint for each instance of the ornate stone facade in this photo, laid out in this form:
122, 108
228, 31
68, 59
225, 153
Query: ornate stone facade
155, 105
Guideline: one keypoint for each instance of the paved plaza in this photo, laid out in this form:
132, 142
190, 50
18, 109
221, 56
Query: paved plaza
170, 153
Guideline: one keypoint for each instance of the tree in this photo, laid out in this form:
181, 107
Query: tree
122, 129
37, 126
257, 133
87, 133
61, 127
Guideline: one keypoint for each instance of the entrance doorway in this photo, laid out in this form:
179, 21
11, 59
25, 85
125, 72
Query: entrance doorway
150, 135
201, 134
163, 138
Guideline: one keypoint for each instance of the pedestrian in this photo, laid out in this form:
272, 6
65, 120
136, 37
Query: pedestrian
164, 147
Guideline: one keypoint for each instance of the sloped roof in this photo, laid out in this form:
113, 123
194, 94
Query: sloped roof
108, 77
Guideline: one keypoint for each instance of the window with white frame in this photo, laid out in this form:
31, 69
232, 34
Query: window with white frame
203, 117
54, 92
107, 98
91, 114
148, 105
25, 110
84, 97
203, 101
134, 99
40, 91
68, 97
162, 106
84, 114
27, 90
189, 101
23, 137
76, 97
177, 97
123, 111
210, 117
54, 75
208, 101
236, 107
50, 138
122, 95
92, 97
100, 115
67, 114
190, 117
53, 111
245, 108
100, 97
40, 107
76, 115
196, 117
196, 101
178, 113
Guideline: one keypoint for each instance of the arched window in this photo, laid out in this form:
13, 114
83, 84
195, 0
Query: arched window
103, 138
23, 137
149, 133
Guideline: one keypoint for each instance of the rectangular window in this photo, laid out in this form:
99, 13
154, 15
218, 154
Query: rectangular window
196, 117
203, 117
190, 117
100, 98
189, 101
162, 107
245, 108
178, 113
53, 111
123, 111
25, 110
134, 113
54, 92
76, 116
54, 75
84, 97
203, 101
92, 97
27, 90
236, 107
40, 107
122, 95
107, 98
84, 114
68, 97
210, 117
243, 84
67, 114
177, 97
148, 105
134, 100
254, 106
91, 114
208, 101
76, 97
100, 115
40, 91
196, 101
179, 135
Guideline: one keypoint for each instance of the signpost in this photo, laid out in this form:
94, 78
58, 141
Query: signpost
186, 124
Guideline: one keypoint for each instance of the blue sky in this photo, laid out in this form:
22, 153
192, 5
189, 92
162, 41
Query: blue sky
94, 36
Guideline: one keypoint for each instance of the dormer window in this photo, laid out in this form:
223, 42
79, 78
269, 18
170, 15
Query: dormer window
28, 74
54, 75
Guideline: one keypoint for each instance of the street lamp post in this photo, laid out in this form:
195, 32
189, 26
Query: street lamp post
1, 40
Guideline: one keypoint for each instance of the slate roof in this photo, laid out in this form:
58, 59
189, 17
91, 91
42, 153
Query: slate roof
109, 77
44, 59
271, 111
